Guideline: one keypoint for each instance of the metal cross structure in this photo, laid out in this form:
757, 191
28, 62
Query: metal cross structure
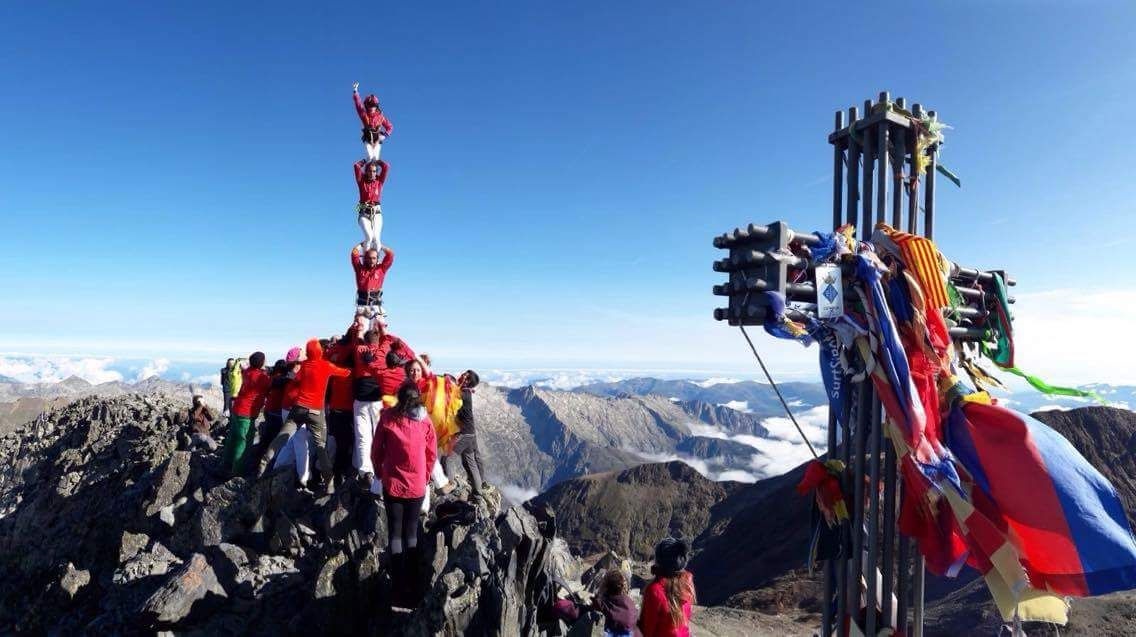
883, 172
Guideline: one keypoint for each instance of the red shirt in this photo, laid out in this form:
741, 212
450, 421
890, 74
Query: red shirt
313, 377
372, 120
403, 451
342, 394
391, 379
371, 191
371, 279
254, 386
655, 616
274, 398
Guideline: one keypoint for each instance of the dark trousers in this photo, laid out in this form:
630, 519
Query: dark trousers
228, 402
465, 448
314, 421
402, 522
341, 426
269, 429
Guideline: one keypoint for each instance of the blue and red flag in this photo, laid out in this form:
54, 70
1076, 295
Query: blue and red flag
1059, 514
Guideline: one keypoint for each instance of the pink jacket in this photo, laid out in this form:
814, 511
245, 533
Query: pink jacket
403, 452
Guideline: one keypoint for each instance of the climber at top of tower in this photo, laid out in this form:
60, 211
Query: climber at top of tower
376, 126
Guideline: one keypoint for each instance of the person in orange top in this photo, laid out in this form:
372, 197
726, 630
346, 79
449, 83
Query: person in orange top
311, 390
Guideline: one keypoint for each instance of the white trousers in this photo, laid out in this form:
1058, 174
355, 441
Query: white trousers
366, 419
372, 227
373, 150
438, 475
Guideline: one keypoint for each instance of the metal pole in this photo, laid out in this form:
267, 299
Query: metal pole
853, 189
863, 414
871, 564
830, 570
913, 192
929, 194
866, 200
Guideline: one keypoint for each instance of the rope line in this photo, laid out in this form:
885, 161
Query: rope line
776, 389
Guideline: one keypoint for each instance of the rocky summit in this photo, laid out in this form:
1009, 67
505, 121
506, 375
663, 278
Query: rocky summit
111, 526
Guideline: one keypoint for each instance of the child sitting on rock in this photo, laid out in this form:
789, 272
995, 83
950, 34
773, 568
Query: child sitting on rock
616, 605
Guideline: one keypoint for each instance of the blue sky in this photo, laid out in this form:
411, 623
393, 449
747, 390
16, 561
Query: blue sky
176, 179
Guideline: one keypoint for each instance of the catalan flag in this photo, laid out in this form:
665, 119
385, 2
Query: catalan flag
922, 258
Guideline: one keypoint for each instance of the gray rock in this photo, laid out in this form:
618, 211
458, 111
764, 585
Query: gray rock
74, 580
193, 584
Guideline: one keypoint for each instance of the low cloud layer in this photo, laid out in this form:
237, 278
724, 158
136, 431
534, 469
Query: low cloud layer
52, 369
781, 451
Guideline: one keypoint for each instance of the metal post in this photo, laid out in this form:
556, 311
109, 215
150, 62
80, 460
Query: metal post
866, 200
853, 190
830, 570
913, 193
929, 195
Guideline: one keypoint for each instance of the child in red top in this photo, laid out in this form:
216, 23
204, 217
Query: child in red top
668, 600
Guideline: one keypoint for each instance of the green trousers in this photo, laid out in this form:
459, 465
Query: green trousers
238, 442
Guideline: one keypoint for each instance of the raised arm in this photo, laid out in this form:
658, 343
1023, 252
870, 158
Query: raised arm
388, 259
359, 170
356, 259
384, 168
358, 103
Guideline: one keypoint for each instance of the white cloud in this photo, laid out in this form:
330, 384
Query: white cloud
1054, 332
698, 464
710, 382
52, 369
517, 494
737, 405
153, 368
563, 379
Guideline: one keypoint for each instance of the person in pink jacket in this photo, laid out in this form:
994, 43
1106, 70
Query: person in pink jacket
403, 452
376, 126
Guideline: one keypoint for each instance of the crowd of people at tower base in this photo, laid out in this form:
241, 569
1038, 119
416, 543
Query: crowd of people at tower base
363, 406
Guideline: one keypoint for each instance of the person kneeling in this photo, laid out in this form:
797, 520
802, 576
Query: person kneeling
403, 451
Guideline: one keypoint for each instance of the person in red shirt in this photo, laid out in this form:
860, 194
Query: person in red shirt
403, 452
370, 177
246, 407
340, 421
669, 598
370, 273
376, 126
310, 395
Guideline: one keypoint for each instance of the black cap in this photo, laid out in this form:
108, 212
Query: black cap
670, 557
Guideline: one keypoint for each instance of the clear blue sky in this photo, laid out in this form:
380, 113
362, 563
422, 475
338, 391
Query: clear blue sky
176, 177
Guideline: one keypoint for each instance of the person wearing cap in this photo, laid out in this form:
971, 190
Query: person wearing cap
465, 443
403, 451
669, 599
376, 126
370, 273
201, 421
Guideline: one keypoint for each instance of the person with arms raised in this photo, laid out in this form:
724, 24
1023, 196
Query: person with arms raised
465, 443
376, 126
370, 177
370, 273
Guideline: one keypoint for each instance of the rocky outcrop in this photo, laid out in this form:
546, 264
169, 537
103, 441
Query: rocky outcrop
629, 511
109, 527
